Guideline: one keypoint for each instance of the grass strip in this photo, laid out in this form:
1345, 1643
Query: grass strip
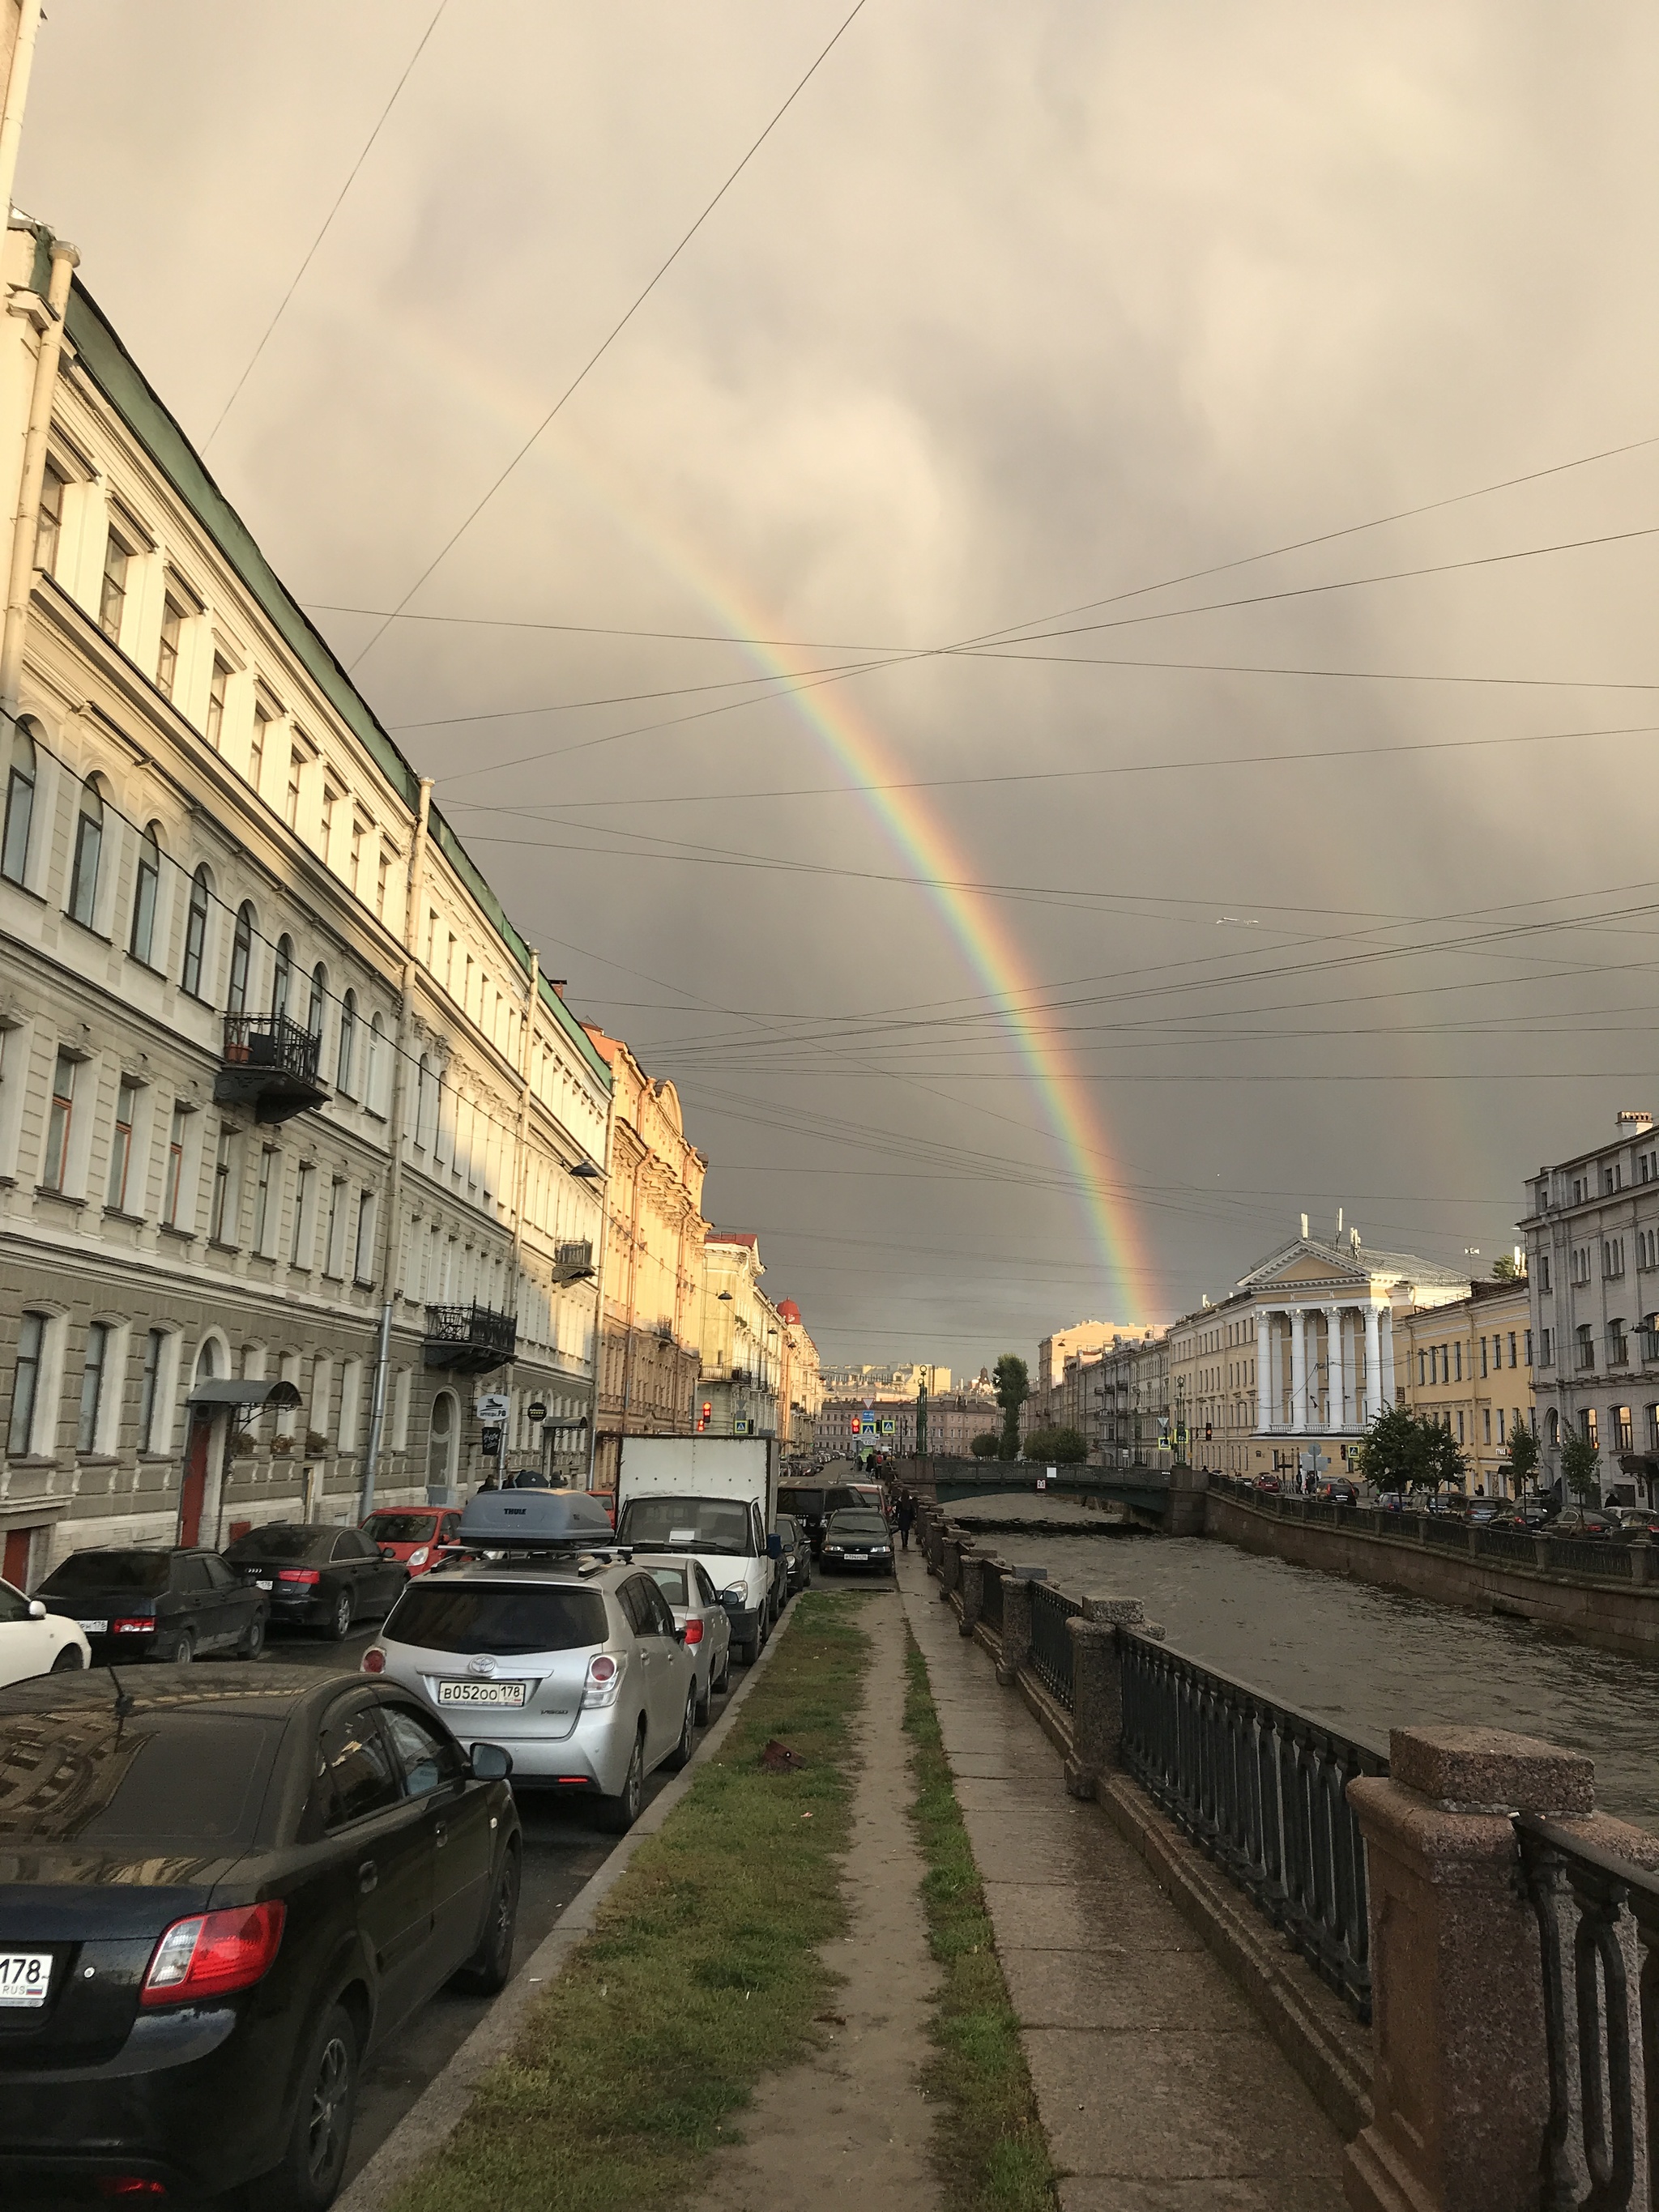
703, 1973
988, 2145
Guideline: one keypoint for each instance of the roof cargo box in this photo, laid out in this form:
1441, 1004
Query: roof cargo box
498, 1518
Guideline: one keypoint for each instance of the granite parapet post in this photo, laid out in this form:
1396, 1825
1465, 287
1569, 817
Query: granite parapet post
1016, 1627
974, 1571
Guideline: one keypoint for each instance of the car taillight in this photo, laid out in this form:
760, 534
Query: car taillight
604, 1676
298, 1575
132, 1627
130, 2187
373, 1660
694, 1631
214, 1953
601, 1669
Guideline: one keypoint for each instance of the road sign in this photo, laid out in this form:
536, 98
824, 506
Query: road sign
492, 1405
537, 1412
491, 1441
887, 1428
740, 1425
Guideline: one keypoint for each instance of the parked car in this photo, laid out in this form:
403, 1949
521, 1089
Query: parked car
870, 1495
172, 1603
703, 1622
577, 1667
252, 1881
414, 1535
1578, 1522
837, 1498
855, 1537
317, 1577
797, 1554
36, 1641
1268, 1482
608, 1499
804, 1501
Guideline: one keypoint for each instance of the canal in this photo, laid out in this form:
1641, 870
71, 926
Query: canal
1368, 1659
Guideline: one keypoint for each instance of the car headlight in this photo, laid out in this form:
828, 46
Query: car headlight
419, 1558
835, 1548
736, 1595
881, 1551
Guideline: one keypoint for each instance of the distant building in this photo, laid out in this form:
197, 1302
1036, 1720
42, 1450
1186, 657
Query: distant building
800, 1385
1467, 1365
742, 1341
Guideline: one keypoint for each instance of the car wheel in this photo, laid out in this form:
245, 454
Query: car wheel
487, 1970
69, 1660
308, 2179
618, 1814
254, 1639
681, 1754
184, 1649
340, 1626
702, 1702
724, 1681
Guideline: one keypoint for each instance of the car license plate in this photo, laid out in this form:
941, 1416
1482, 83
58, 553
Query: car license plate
25, 1977
261, 1584
858, 1555
92, 1627
481, 1693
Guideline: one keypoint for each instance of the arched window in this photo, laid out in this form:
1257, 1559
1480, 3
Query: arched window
374, 1089
19, 807
207, 1360
196, 922
242, 953
147, 891
281, 977
89, 853
319, 1000
348, 1044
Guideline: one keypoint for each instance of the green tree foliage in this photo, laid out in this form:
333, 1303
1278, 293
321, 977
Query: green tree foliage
1505, 1270
985, 1447
1580, 1468
1407, 1451
1523, 1457
1056, 1447
1012, 1383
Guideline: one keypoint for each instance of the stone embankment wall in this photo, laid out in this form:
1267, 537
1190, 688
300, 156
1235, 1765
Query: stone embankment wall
1617, 1615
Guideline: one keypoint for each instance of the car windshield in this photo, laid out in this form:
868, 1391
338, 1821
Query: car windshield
153, 1784
787, 1528
794, 1500
282, 1540
671, 1580
145, 1572
474, 1617
687, 1524
858, 1524
401, 1528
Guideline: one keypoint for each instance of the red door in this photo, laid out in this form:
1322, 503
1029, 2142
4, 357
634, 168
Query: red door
195, 1489
16, 1567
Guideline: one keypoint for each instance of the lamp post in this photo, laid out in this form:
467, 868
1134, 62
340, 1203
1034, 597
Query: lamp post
586, 1171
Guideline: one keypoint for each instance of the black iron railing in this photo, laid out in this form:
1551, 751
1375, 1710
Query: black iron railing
1598, 1918
1515, 1544
269, 1063
472, 1338
990, 1595
1051, 1645
1590, 1555
572, 1261
1261, 1790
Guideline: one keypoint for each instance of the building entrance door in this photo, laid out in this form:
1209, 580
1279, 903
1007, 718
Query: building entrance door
195, 1484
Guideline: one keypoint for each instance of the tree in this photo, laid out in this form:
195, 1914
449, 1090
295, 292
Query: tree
985, 1447
1056, 1447
1523, 1457
1408, 1451
1581, 1467
1014, 1387
1505, 1270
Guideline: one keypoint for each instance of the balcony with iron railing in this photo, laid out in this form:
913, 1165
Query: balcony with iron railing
269, 1063
573, 1262
470, 1340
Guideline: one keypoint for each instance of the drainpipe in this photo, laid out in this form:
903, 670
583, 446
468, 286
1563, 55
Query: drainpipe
390, 1239
598, 1297
64, 259
521, 1176
17, 93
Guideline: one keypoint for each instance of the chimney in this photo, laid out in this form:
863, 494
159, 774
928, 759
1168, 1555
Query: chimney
1633, 1123
1304, 1227
559, 983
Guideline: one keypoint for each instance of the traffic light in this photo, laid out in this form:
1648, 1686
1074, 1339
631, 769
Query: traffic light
1209, 1431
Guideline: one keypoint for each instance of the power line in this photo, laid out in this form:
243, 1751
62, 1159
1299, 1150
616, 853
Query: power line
281, 305
615, 332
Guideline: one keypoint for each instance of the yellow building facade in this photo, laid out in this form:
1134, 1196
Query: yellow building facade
1468, 1365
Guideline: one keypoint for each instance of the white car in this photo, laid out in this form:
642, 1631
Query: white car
35, 1641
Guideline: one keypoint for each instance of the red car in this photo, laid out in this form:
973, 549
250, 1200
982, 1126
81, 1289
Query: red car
413, 1535
608, 1499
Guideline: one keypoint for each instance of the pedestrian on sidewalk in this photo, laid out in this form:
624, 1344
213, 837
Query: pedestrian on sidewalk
907, 1518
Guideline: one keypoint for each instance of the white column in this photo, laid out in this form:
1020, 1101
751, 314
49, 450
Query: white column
1298, 1370
1388, 1359
1373, 1365
1264, 1392
1338, 1379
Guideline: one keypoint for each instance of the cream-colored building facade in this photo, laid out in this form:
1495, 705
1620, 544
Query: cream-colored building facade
1467, 1365
800, 1382
298, 1149
651, 1280
741, 1341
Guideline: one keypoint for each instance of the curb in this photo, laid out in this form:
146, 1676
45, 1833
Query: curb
442, 2105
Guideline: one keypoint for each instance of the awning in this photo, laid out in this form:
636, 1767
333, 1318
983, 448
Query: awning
1643, 1465
244, 1390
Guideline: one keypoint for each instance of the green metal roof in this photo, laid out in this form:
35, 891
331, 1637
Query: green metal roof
117, 375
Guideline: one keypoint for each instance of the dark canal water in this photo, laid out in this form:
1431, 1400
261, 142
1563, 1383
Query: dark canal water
1367, 1660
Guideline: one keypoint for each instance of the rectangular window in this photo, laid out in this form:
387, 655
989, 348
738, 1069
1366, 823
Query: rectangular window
59, 1119
1544, 1347
1422, 1368
1500, 1424
112, 595
149, 1386
1528, 1347
256, 757
1483, 1355
216, 705
167, 656
49, 532
1460, 1426
356, 866
1623, 1431
222, 1166
264, 1216
91, 1385
175, 1175
1485, 1416
1588, 1424
25, 1383
325, 834
120, 1150
1543, 1271
363, 1265
1511, 1348
382, 873
1653, 1428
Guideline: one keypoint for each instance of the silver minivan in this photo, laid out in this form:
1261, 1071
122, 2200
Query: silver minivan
575, 1665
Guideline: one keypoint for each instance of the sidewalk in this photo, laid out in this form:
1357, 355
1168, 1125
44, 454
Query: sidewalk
1159, 2089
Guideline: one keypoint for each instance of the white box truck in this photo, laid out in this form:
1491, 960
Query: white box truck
715, 1498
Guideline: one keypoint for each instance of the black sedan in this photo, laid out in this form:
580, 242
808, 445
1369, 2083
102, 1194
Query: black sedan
856, 1537
177, 1604
317, 1577
797, 1553
219, 1894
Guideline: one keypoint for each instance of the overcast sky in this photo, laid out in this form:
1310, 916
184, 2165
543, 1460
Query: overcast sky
1015, 309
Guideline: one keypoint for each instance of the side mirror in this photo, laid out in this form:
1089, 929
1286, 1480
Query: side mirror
37, 1611
774, 1546
489, 1762
386, 1551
